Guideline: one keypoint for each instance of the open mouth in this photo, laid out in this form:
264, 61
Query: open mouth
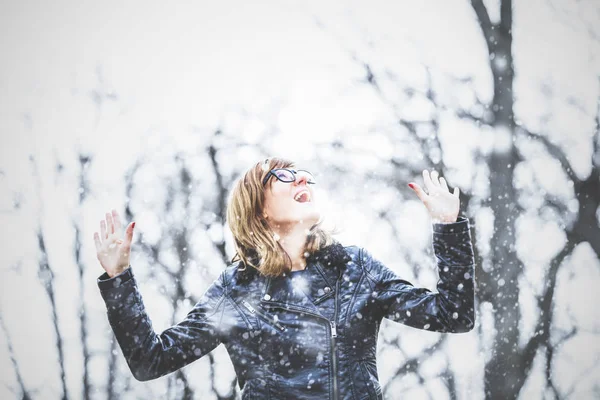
302, 197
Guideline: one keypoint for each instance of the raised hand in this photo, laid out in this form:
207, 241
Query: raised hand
442, 205
113, 251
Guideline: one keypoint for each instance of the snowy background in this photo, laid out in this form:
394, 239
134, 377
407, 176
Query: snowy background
156, 109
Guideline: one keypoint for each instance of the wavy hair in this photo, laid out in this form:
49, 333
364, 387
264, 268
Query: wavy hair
254, 241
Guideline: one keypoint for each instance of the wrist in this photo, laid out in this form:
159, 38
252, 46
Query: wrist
461, 225
444, 220
106, 282
116, 272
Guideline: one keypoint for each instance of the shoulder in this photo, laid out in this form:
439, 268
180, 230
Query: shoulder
362, 264
358, 254
366, 262
237, 278
226, 278
353, 252
233, 273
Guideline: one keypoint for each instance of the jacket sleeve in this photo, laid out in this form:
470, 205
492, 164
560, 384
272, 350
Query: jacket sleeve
451, 309
150, 355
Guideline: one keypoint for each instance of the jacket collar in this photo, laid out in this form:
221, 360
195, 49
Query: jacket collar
333, 255
304, 290
331, 258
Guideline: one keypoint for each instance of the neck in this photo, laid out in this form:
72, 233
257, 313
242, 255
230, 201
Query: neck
293, 241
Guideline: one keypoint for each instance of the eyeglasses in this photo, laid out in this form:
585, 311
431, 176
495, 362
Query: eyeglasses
289, 175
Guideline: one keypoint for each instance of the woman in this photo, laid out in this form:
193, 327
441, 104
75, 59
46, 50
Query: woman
298, 312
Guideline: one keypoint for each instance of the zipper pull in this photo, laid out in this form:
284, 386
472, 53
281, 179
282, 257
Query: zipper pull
279, 326
333, 329
248, 306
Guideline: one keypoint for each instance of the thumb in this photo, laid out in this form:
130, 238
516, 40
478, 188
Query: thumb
129, 234
420, 193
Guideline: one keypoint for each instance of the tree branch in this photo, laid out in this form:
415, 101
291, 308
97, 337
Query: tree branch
13, 361
506, 14
484, 22
550, 351
554, 151
541, 333
221, 197
413, 364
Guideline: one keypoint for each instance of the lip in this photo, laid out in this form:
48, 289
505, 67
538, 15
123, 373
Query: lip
303, 190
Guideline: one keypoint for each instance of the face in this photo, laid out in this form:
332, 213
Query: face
291, 203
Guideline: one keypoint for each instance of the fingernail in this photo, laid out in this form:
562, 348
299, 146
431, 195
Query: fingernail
411, 185
133, 225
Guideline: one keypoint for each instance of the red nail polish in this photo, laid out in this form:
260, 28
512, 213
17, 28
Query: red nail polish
133, 225
411, 185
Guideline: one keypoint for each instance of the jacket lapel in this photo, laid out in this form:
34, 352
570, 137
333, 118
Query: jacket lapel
289, 292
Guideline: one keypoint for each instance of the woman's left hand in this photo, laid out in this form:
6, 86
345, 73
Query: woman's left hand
442, 205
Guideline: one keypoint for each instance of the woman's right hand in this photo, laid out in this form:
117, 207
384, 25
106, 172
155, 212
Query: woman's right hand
113, 251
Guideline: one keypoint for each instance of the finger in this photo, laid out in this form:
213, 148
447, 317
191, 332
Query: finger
428, 183
420, 193
435, 178
103, 230
109, 224
117, 221
457, 192
97, 242
443, 184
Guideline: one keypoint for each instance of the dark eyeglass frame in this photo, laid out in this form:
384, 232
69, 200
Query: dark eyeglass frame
293, 171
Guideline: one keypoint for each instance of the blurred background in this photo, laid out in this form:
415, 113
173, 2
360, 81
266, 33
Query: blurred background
155, 109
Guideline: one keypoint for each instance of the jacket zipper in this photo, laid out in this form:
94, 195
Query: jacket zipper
271, 320
332, 325
333, 344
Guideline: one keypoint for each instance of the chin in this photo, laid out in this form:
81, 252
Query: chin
311, 218
307, 214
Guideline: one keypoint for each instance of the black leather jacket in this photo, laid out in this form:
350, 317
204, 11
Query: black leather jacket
311, 334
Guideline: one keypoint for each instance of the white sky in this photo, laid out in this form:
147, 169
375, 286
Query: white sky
177, 69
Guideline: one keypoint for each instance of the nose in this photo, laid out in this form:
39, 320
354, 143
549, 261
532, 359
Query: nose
301, 178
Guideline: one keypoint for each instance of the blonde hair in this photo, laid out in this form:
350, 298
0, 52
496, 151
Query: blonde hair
254, 241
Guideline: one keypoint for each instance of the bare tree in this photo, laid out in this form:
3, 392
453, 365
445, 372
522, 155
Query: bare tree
509, 367
498, 271
46, 276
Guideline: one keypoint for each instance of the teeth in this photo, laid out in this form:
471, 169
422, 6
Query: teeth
299, 195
